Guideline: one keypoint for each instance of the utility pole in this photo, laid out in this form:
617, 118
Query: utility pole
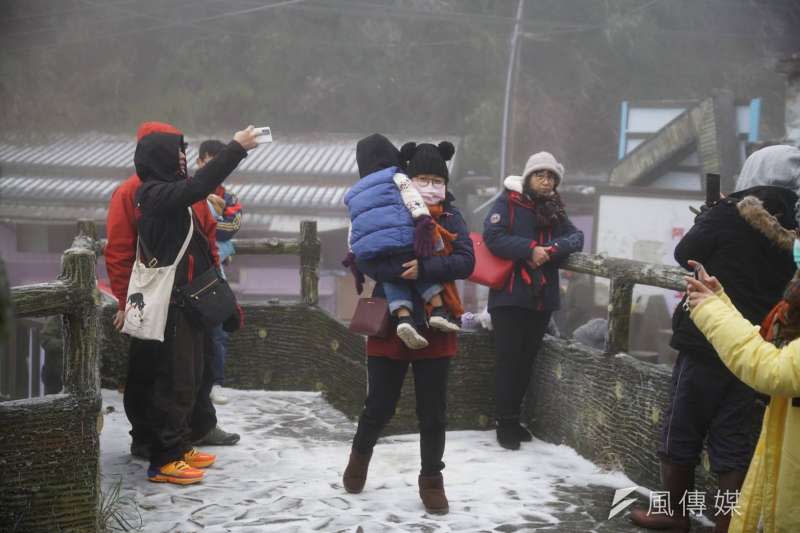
512, 63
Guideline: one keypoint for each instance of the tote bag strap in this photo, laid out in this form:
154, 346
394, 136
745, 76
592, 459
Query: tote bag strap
188, 238
153, 262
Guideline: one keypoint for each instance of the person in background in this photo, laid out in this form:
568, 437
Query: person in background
528, 224
52, 341
120, 253
227, 211
388, 358
745, 240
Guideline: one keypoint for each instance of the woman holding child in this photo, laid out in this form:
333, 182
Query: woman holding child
432, 249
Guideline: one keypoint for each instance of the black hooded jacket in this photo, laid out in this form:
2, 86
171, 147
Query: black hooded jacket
166, 194
746, 249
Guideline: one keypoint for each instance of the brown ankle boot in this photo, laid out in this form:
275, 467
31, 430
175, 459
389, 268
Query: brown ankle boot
677, 479
431, 490
730, 482
355, 475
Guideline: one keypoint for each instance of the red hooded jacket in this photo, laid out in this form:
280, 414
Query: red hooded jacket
121, 221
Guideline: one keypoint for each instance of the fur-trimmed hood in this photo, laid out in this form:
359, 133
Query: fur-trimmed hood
753, 212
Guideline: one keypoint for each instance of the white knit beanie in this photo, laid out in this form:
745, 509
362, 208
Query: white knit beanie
544, 161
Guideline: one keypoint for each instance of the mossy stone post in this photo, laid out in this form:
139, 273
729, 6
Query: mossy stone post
309, 262
50, 447
619, 314
624, 274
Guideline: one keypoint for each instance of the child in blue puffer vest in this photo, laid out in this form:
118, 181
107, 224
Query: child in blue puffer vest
388, 216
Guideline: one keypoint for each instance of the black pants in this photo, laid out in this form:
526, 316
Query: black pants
167, 392
708, 401
139, 385
518, 334
386, 378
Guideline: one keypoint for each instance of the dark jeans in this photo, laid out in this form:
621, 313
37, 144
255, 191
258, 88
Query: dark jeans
167, 392
386, 378
219, 352
518, 334
707, 400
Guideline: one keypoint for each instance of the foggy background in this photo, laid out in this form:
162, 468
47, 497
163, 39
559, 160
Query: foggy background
404, 67
595, 81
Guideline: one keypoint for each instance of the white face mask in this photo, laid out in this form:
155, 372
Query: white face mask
431, 194
796, 252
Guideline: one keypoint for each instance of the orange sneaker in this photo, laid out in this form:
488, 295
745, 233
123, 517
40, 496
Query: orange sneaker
197, 459
176, 472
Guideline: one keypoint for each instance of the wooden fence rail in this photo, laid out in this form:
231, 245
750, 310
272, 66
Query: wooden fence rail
623, 275
307, 246
39, 489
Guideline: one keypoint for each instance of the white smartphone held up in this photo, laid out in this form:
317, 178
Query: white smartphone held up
263, 135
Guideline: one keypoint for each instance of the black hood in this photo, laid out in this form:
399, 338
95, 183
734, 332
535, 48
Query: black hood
778, 201
375, 153
156, 157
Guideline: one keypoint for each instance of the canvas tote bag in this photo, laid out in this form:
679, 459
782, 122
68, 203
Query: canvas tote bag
149, 292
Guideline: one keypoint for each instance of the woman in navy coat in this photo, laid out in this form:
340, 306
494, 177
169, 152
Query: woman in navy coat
529, 225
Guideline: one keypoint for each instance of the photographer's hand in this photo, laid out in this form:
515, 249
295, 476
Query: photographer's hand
246, 137
709, 281
696, 292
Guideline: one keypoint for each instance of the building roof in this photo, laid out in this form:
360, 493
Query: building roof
71, 177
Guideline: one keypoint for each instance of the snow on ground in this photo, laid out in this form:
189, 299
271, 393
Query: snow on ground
285, 475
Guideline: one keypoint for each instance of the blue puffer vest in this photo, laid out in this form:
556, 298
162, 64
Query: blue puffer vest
381, 223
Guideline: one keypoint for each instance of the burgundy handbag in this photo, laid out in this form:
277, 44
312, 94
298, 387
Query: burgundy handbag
371, 317
490, 270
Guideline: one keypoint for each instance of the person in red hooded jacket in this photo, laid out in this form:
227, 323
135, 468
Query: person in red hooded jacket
120, 253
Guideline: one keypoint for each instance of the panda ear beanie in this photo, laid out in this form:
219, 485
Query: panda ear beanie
428, 159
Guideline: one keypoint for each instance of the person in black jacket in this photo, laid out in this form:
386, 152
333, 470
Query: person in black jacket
529, 225
745, 241
163, 201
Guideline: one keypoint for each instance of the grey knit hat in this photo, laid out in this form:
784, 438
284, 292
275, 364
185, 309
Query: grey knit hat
544, 161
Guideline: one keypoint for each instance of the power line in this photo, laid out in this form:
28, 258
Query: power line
158, 27
353, 8
63, 12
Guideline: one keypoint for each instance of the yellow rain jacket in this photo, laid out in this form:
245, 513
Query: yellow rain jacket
771, 492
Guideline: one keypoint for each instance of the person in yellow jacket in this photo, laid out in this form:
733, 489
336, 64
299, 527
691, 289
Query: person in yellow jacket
770, 498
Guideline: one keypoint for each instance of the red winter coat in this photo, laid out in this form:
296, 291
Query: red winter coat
121, 221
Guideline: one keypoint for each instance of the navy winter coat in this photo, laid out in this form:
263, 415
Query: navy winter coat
438, 268
517, 242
